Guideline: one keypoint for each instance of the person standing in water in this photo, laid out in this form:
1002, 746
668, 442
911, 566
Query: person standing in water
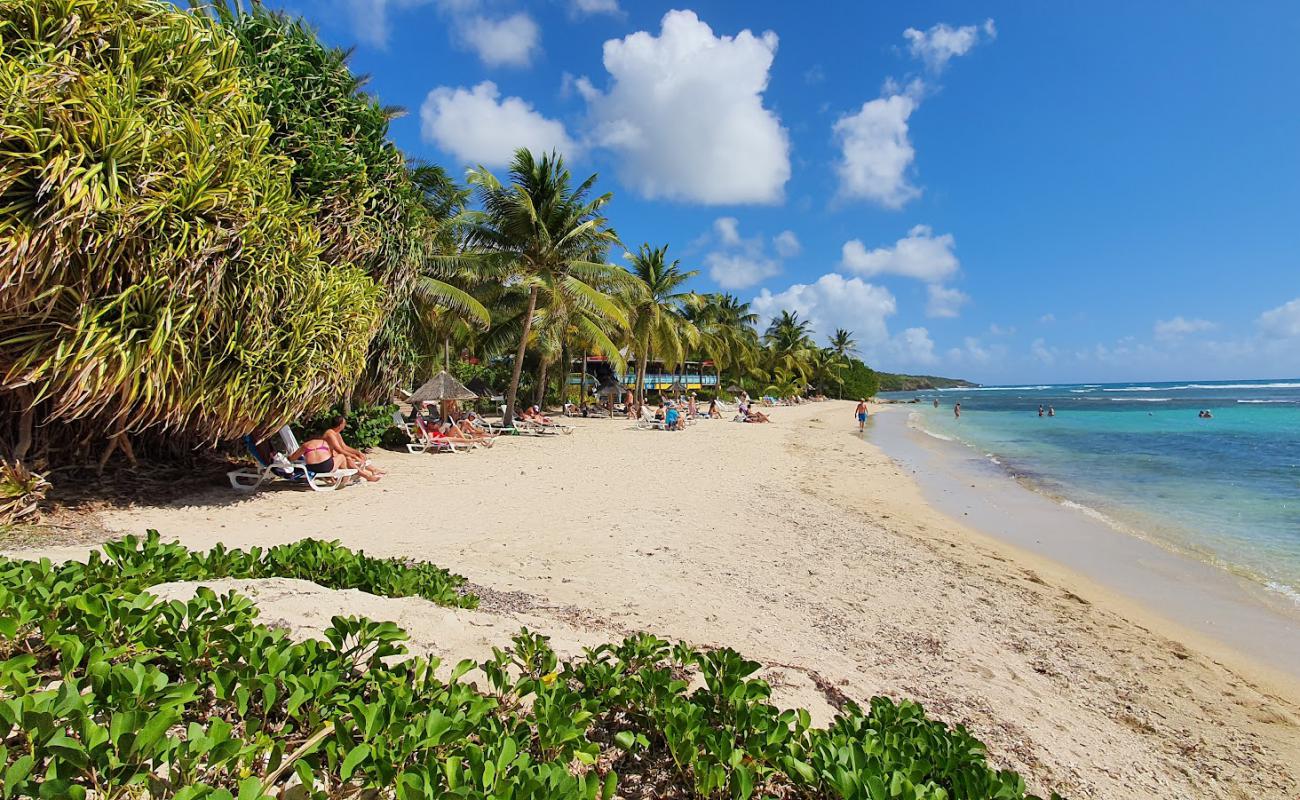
861, 413
956, 410
936, 402
1051, 411
1040, 411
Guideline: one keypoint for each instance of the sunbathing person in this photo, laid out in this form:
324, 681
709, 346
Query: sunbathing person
323, 454
534, 414
756, 416
444, 433
714, 413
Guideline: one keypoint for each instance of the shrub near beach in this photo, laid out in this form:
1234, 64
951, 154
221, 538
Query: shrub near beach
105, 690
159, 272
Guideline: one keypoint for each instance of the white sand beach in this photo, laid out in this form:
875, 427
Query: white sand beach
807, 548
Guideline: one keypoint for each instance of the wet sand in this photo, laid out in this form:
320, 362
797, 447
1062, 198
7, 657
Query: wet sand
1231, 615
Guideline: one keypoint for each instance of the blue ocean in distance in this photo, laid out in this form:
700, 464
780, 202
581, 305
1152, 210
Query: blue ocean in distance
1226, 489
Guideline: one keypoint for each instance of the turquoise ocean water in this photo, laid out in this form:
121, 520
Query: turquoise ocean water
1225, 489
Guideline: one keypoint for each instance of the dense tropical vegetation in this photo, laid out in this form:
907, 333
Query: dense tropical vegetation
207, 233
105, 692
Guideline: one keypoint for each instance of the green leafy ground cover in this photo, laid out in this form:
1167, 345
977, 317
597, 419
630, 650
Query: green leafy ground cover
106, 692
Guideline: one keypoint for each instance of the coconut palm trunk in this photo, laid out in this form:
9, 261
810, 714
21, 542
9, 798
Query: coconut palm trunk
640, 374
539, 396
509, 418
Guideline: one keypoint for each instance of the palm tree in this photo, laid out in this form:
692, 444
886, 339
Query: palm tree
789, 343
825, 365
843, 343
844, 346
658, 321
545, 235
727, 332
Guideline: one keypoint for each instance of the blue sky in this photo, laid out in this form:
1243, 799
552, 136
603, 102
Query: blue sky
1009, 192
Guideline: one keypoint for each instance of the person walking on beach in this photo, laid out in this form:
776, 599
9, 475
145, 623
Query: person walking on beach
861, 413
956, 410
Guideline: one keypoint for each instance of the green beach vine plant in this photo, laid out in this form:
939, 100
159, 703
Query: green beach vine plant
104, 689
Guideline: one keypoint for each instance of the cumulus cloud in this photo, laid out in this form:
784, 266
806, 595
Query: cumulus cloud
510, 41
736, 261
875, 152
590, 7
787, 244
973, 351
1282, 322
913, 346
833, 301
943, 301
478, 127
941, 43
920, 255
727, 230
683, 112
739, 270
1048, 318
1178, 327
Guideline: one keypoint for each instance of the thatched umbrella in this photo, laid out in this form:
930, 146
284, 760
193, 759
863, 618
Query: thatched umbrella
479, 387
441, 387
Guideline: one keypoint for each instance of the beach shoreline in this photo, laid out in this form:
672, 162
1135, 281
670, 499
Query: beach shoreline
1236, 618
805, 545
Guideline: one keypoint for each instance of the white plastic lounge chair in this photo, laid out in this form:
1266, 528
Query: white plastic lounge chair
280, 467
438, 444
419, 441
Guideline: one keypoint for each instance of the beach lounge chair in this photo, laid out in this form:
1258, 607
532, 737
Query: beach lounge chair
428, 440
281, 468
421, 441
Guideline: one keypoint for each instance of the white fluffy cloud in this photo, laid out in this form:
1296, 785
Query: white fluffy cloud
941, 43
920, 255
684, 113
738, 270
586, 7
787, 244
944, 301
510, 41
913, 346
736, 261
1178, 327
876, 153
1282, 322
478, 127
833, 301
727, 230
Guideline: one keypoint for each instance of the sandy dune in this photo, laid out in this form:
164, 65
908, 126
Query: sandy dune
806, 548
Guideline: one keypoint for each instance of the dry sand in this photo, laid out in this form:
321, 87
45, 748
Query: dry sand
806, 548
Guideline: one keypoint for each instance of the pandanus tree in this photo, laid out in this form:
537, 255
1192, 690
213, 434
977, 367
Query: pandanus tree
371, 210
544, 235
659, 324
160, 274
